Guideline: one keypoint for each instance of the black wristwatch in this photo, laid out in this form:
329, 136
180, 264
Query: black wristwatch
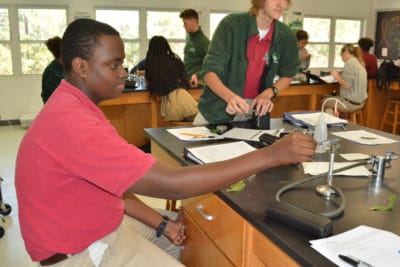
275, 91
161, 228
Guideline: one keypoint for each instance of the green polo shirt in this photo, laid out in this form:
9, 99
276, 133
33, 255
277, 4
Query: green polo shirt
194, 52
227, 58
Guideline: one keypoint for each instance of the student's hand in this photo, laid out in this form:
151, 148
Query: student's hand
293, 148
175, 230
194, 81
236, 104
335, 74
262, 105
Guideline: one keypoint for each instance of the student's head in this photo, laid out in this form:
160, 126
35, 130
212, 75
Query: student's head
54, 46
190, 19
302, 38
273, 8
93, 53
159, 47
349, 50
365, 43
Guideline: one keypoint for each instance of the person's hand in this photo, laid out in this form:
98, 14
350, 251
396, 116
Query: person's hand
262, 105
335, 74
194, 81
293, 148
236, 104
175, 230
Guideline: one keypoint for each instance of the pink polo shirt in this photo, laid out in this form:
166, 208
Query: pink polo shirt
257, 51
71, 171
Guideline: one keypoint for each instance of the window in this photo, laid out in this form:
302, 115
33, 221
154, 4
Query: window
326, 38
35, 26
215, 19
169, 25
126, 22
5, 48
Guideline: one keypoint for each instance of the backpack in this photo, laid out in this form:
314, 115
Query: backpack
387, 72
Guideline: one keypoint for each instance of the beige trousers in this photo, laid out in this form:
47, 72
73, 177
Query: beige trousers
132, 244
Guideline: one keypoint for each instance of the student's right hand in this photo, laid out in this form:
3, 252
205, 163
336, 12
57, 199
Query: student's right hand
293, 148
175, 230
236, 104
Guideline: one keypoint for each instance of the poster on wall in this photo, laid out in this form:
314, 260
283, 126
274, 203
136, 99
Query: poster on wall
387, 34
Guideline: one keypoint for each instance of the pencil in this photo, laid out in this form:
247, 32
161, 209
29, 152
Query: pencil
193, 134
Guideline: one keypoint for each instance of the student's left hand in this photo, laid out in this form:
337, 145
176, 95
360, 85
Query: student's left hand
175, 230
194, 81
262, 105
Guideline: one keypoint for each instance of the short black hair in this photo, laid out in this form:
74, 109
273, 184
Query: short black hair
81, 38
301, 35
54, 46
189, 14
365, 43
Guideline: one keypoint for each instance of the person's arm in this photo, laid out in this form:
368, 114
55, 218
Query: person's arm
165, 182
340, 80
235, 103
262, 103
135, 208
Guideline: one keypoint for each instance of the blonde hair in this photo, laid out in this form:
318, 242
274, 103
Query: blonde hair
355, 51
258, 4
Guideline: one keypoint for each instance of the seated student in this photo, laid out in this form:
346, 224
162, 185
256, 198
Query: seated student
166, 78
71, 173
304, 56
140, 68
371, 63
352, 80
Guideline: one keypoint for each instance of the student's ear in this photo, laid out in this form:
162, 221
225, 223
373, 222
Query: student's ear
79, 66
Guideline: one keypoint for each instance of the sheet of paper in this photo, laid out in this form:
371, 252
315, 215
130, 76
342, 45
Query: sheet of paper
219, 152
318, 167
200, 133
374, 246
311, 118
249, 134
328, 79
354, 156
364, 137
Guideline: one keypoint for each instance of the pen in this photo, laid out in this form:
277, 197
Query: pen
354, 261
368, 137
254, 135
194, 135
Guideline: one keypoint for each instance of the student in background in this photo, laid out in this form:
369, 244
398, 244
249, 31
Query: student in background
246, 53
304, 56
370, 60
54, 72
71, 173
196, 45
166, 78
352, 80
140, 68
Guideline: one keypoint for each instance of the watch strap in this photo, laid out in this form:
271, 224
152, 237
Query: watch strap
275, 91
161, 228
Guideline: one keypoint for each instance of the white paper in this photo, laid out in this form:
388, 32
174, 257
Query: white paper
312, 118
364, 137
328, 79
219, 152
249, 134
354, 156
200, 133
315, 168
374, 246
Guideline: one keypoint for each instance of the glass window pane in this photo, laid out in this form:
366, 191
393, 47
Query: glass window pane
34, 58
5, 60
167, 24
177, 48
4, 25
215, 19
347, 31
41, 24
131, 54
319, 55
318, 29
124, 21
338, 58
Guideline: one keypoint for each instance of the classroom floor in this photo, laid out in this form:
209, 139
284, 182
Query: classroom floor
12, 249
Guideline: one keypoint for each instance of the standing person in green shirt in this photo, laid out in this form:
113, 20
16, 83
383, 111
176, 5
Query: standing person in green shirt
248, 51
196, 45
54, 72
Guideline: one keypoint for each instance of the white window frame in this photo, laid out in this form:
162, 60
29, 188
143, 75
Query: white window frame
9, 41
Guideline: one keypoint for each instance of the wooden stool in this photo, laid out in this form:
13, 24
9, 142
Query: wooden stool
355, 117
391, 115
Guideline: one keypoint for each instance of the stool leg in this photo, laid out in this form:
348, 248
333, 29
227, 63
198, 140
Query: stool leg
396, 112
385, 115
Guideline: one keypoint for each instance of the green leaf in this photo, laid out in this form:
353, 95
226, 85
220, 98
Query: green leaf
386, 205
237, 187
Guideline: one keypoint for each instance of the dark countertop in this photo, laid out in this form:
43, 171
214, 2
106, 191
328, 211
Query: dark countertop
360, 193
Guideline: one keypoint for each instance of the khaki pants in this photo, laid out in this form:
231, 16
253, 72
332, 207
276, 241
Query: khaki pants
132, 244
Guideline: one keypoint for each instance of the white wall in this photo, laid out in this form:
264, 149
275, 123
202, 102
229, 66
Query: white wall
21, 94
